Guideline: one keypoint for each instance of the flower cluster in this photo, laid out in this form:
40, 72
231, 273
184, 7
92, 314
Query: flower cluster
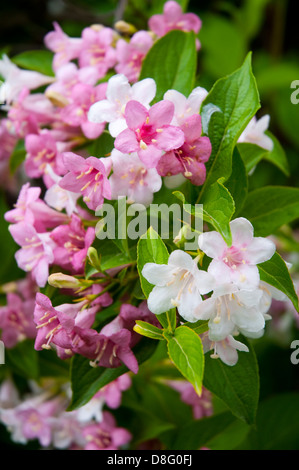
42, 415
238, 300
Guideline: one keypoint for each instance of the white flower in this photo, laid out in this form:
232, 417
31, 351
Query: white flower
231, 310
92, 410
133, 179
60, 198
118, 93
177, 284
254, 133
237, 263
185, 107
16, 79
226, 349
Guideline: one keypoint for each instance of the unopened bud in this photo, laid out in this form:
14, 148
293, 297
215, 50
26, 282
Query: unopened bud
93, 258
124, 27
57, 98
97, 27
182, 236
61, 280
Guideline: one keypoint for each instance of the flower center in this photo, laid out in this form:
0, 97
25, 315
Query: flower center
233, 257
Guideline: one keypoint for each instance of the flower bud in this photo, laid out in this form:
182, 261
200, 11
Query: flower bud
182, 236
124, 27
61, 280
93, 258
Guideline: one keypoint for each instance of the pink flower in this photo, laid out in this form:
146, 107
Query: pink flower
8, 139
109, 348
42, 151
201, 405
32, 419
237, 263
30, 209
131, 178
174, 18
69, 75
127, 318
75, 113
56, 326
118, 93
109, 395
225, 349
149, 133
97, 50
72, 243
36, 253
59, 198
65, 48
131, 54
113, 391
89, 177
185, 107
254, 133
29, 112
191, 157
16, 320
105, 435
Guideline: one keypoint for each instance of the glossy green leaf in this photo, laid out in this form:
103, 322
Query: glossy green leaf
86, 381
237, 386
23, 359
270, 207
276, 273
171, 62
150, 249
186, 351
217, 208
237, 184
146, 329
197, 434
237, 100
39, 61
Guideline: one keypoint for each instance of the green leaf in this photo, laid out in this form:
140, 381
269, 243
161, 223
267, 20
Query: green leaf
277, 156
277, 425
201, 326
276, 273
232, 436
237, 99
150, 249
219, 207
86, 381
197, 434
9, 270
17, 157
102, 146
271, 207
186, 351
251, 154
171, 62
237, 184
146, 329
39, 61
237, 386
23, 359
